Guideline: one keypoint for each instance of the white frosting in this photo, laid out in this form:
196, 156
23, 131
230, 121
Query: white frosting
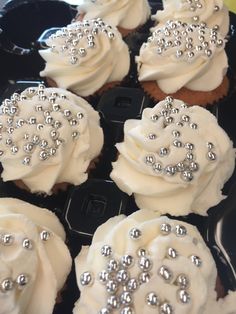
115, 233
128, 14
179, 55
46, 146
212, 12
186, 179
45, 264
86, 55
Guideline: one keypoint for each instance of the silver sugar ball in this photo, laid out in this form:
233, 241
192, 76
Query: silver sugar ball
141, 252
211, 156
22, 280
103, 276
196, 260
104, 311
132, 284
111, 286
127, 260
126, 298
182, 281
6, 285
150, 159
157, 167
144, 277
106, 250
165, 273
86, 278
45, 235
170, 170
127, 310
112, 265
113, 302
145, 263
172, 253
183, 296
165, 229
152, 299
180, 230
166, 308
27, 244
122, 276
163, 151
187, 176
135, 233
7, 239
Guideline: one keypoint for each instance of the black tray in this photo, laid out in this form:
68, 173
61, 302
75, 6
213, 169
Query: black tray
99, 198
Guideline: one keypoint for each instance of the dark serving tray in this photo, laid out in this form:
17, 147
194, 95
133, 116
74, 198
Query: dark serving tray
81, 209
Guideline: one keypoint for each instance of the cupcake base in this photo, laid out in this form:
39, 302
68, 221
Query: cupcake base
190, 97
63, 186
104, 88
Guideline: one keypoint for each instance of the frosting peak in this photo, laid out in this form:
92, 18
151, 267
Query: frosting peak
175, 160
128, 14
86, 55
183, 55
212, 12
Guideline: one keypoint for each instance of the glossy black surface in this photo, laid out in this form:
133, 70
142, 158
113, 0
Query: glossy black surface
221, 235
81, 209
93, 203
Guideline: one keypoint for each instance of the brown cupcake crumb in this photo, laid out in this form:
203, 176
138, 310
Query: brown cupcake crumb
190, 97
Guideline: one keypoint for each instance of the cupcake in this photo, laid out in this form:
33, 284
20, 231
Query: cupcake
34, 260
187, 61
127, 16
174, 160
212, 12
49, 136
148, 264
86, 58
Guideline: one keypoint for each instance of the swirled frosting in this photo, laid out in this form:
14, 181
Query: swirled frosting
183, 55
34, 261
48, 136
212, 12
175, 160
86, 55
128, 14
145, 264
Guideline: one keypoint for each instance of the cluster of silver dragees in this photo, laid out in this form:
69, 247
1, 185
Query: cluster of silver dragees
45, 108
188, 166
79, 37
120, 286
19, 282
189, 40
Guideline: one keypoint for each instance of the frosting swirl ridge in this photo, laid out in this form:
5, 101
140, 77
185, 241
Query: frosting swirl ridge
123, 13
86, 55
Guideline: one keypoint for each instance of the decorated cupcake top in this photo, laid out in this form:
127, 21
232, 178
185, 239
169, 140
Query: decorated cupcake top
144, 264
183, 55
128, 14
34, 261
174, 160
48, 136
86, 55
213, 12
